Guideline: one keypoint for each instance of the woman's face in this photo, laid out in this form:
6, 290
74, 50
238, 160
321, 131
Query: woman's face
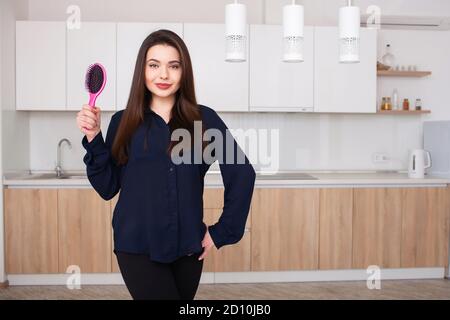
163, 67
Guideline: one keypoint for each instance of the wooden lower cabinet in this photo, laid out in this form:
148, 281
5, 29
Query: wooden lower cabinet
401, 227
377, 224
47, 230
31, 231
230, 258
285, 229
84, 231
336, 219
425, 227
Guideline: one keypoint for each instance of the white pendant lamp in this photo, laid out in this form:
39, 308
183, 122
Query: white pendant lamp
349, 25
235, 32
293, 32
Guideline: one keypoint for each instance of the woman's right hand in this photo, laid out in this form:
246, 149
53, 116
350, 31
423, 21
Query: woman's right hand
88, 121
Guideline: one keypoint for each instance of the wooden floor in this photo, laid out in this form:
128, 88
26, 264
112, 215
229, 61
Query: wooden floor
409, 289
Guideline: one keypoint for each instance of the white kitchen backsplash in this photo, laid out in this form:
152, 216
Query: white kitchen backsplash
306, 141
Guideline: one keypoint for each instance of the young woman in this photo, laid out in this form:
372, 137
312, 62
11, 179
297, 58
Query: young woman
160, 239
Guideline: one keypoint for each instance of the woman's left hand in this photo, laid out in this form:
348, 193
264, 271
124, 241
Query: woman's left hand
207, 243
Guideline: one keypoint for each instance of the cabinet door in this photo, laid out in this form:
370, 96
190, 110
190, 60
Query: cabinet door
425, 227
31, 231
220, 85
342, 87
336, 210
40, 65
276, 85
93, 42
84, 231
209, 218
129, 39
377, 224
232, 258
212, 204
285, 229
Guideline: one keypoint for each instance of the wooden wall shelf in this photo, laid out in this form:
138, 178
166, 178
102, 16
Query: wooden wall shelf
411, 74
403, 112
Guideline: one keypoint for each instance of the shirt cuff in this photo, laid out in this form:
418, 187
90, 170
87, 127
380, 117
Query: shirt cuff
217, 235
96, 145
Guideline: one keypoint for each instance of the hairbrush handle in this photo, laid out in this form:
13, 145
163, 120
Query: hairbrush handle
92, 99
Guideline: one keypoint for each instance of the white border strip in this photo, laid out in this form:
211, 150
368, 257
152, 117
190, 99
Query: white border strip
240, 277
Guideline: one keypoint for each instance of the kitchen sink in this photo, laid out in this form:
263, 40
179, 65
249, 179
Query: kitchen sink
45, 176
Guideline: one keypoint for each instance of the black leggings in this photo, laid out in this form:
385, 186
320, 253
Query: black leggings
146, 279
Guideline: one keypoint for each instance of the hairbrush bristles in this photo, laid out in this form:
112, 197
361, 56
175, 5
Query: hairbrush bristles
95, 81
94, 78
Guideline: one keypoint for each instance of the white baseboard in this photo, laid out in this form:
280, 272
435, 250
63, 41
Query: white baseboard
327, 275
237, 277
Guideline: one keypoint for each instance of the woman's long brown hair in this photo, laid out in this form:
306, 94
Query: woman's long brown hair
185, 110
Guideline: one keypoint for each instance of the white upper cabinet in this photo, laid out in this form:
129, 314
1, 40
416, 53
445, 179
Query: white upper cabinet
51, 64
342, 87
220, 85
129, 39
93, 42
40, 65
276, 85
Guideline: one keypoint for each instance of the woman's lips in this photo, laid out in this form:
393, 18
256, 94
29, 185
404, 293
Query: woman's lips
163, 86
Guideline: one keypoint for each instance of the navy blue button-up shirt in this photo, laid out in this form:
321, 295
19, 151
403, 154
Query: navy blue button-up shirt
160, 207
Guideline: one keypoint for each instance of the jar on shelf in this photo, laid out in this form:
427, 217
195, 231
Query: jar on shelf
418, 104
386, 104
405, 104
383, 102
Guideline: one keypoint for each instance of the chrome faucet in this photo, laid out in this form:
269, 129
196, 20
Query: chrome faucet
58, 168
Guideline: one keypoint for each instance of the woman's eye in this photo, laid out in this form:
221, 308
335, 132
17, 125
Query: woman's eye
153, 65
175, 67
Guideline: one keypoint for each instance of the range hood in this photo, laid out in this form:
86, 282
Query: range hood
409, 22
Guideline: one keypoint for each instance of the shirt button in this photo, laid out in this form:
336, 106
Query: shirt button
171, 169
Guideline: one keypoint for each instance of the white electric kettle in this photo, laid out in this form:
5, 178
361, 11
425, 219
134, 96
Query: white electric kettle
417, 164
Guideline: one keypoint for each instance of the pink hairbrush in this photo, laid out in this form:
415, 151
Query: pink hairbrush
95, 81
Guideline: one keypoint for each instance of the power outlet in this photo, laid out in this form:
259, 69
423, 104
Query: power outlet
380, 158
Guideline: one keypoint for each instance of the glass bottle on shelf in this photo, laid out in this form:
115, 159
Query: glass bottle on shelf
395, 105
388, 58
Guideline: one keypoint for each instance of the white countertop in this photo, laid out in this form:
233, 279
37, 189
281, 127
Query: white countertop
282, 179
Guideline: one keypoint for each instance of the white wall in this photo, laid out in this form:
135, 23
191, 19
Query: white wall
308, 141
15, 131
317, 12
143, 10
